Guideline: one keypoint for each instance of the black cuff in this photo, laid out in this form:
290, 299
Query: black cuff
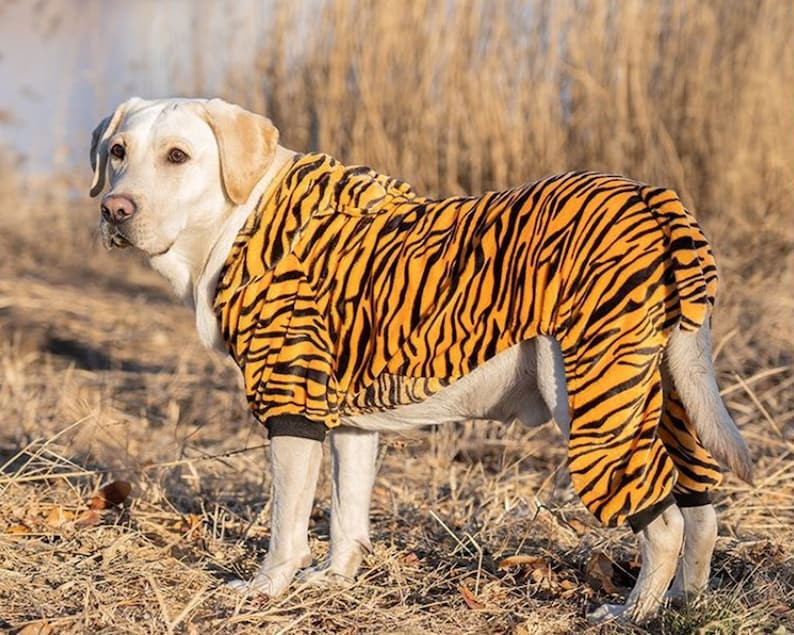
692, 499
642, 519
295, 426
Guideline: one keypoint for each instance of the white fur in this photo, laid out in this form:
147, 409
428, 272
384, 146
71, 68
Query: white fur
700, 535
660, 544
295, 465
688, 361
187, 226
354, 456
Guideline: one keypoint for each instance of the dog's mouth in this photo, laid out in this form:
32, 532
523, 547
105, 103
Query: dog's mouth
111, 236
118, 240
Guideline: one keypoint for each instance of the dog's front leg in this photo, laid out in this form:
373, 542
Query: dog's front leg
295, 464
354, 454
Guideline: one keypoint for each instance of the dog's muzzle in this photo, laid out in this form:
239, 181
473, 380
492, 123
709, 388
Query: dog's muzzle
111, 236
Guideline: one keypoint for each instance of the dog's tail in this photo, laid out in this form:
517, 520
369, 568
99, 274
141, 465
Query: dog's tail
688, 353
688, 360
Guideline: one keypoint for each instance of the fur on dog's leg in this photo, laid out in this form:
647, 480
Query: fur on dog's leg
295, 464
551, 382
660, 544
553, 389
354, 454
700, 535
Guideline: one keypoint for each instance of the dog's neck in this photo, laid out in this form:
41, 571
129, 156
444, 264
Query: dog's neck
194, 263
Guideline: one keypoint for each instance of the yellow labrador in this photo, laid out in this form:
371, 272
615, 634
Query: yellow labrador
182, 177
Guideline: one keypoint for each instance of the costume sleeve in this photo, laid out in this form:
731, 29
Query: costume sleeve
289, 369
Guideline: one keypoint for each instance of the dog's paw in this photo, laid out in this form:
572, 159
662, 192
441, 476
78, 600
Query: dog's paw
262, 584
609, 613
238, 584
324, 576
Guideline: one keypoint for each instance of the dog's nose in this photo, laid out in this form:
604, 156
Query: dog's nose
117, 207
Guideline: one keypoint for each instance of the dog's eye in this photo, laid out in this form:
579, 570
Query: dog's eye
117, 150
175, 155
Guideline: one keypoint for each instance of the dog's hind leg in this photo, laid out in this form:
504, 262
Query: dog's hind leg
700, 535
660, 543
354, 453
295, 464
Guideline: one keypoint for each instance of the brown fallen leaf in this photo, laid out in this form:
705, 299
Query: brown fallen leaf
193, 526
410, 558
531, 562
534, 567
543, 576
59, 516
468, 597
36, 628
599, 572
569, 588
111, 495
88, 518
18, 529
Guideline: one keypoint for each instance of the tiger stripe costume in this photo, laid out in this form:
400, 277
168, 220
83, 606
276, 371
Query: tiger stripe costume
346, 293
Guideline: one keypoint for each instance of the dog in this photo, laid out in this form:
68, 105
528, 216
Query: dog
230, 218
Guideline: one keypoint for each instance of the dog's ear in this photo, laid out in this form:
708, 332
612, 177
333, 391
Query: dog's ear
99, 144
246, 145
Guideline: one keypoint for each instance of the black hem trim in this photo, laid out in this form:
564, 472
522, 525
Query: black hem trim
692, 499
642, 519
295, 426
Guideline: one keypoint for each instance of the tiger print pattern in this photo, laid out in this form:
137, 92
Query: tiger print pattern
346, 293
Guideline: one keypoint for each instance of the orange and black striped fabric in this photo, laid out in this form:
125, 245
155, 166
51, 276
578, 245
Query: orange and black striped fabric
346, 293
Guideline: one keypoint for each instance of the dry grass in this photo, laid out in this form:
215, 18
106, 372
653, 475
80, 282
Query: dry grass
102, 377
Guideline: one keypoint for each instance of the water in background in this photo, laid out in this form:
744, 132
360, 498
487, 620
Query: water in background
65, 64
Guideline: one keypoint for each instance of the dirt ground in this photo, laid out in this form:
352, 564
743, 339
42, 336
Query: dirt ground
102, 379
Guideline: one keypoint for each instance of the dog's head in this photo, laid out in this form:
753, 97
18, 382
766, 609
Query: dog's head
172, 166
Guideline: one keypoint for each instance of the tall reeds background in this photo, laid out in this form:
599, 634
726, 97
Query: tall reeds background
454, 97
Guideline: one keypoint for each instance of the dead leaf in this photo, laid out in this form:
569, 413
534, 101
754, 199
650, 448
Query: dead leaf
88, 518
531, 562
543, 576
468, 597
37, 628
110, 495
534, 567
18, 529
59, 516
193, 525
569, 588
599, 572
410, 558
